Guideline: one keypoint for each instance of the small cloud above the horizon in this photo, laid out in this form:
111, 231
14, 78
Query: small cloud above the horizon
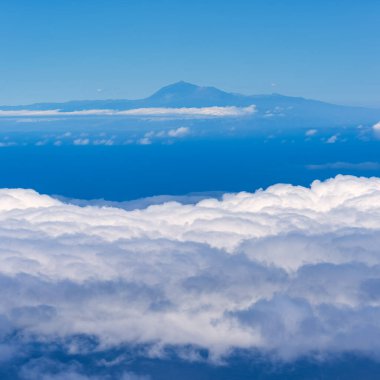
179, 132
163, 135
311, 132
81, 141
145, 141
376, 129
332, 140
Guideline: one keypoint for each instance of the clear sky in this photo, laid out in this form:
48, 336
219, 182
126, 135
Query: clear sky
55, 50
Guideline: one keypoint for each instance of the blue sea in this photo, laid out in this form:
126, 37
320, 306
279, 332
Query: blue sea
120, 173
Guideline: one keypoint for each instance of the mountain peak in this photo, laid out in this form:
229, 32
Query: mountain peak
180, 88
190, 95
182, 85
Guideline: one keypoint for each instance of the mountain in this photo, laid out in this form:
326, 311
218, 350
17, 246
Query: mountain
183, 94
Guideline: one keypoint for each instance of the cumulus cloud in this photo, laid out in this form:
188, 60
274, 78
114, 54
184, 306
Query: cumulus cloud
289, 270
179, 132
80, 141
4, 144
144, 141
332, 140
376, 129
190, 112
140, 203
107, 142
163, 135
311, 132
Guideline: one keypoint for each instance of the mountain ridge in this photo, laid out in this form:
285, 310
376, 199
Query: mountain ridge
174, 87
187, 95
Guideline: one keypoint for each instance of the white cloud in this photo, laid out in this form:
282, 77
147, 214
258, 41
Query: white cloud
28, 113
179, 132
107, 142
142, 112
333, 139
81, 141
4, 144
376, 127
193, 111
288, 270
311, 132
145, 141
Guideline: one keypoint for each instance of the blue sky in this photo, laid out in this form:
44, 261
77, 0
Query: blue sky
61, 50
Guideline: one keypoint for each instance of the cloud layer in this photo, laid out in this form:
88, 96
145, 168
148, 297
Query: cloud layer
290, 271
192, 112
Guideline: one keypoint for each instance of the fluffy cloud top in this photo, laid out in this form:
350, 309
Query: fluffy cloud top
142, 112
288, 270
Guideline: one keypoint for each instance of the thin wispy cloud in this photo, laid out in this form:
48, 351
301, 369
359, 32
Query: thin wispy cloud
367, 165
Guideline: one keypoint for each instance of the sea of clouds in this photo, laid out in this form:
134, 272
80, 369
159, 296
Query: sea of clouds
289, 271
